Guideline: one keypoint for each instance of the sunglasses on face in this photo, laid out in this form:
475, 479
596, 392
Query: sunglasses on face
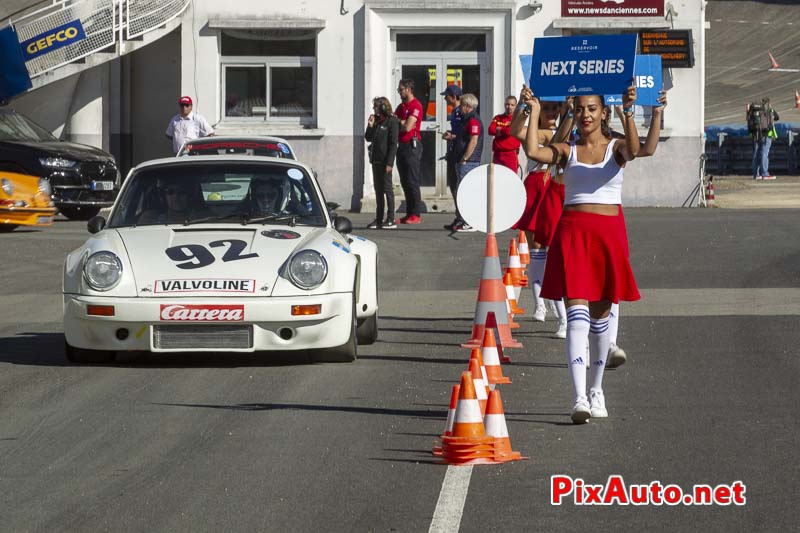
185, 105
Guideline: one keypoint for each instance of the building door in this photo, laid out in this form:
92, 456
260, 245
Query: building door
432, 72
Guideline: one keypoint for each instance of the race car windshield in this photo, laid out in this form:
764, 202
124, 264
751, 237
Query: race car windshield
237, 147
218, 192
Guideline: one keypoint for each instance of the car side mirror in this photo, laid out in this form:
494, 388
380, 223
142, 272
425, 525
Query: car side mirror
96, 224
342, 225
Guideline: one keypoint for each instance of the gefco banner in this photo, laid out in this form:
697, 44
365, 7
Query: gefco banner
647, 73
587, 64
612, 8
59, 37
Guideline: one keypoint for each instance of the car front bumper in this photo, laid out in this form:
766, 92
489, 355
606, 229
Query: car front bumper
268, 317
27, 216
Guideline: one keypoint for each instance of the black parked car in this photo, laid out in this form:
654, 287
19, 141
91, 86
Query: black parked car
84, 179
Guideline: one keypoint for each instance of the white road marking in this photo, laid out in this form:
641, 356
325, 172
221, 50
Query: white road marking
450, 507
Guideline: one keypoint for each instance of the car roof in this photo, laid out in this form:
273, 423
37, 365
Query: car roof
259, 138
238, 158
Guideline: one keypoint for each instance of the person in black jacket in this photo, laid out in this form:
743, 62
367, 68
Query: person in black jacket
382, 132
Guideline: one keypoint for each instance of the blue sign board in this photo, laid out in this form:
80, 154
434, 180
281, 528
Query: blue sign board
586, 64
14, 78
648, 81
51, 40
525, 61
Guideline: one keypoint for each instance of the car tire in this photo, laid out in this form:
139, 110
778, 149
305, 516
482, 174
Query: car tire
83, 356
6, 228
347, 352
79, 213
367, 331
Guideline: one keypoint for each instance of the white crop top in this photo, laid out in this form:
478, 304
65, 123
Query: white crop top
593, 184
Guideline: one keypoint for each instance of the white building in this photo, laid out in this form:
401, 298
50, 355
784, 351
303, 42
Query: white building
307, 70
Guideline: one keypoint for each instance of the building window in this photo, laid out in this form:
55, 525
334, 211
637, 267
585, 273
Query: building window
269, 75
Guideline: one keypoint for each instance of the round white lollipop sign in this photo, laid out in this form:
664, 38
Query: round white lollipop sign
473, 198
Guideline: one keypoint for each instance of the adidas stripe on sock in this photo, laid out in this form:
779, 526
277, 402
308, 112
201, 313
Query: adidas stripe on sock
613, 323
538, 261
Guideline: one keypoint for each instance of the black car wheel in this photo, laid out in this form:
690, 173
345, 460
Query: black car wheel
79, 213
347, 352
5, 228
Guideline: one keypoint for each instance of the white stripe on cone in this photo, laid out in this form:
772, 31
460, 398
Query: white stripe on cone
496, 425
468, 412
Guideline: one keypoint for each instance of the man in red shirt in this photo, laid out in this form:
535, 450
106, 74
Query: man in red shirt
409, 150
505, 147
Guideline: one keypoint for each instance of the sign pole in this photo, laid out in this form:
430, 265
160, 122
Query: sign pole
490, 200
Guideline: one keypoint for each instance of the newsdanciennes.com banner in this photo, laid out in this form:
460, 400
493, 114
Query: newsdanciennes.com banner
612, 8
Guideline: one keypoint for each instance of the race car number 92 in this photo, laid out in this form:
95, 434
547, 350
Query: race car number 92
198, 256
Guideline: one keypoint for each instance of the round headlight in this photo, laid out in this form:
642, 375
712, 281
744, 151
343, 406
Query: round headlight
8, 186
44, 187
308, 269
102, 270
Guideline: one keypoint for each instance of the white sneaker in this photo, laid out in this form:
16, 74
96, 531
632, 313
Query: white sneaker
616, 356
597, 404
538, 315
581, 411
561, 332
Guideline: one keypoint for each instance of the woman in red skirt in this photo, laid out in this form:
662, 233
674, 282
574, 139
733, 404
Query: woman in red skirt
588, 259
536, 184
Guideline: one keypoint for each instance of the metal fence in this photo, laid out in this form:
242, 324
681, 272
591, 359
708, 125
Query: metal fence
105, 22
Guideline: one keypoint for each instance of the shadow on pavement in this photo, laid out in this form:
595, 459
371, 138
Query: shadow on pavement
307, 407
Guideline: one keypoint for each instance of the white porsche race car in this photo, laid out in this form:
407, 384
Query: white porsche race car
220, 254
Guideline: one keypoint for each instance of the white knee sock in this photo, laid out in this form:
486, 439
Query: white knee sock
598, 350
561, 311
538, 260
613, 323
577, 332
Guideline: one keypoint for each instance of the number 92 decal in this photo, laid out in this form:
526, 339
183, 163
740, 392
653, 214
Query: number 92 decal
190, 256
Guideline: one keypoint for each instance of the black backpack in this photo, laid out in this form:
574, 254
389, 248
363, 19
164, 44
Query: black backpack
759, 119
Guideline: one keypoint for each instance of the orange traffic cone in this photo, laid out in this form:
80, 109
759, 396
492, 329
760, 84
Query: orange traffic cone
451, 416
491, 298
478, 356
491, 360
514, 266
510, 296
710, 198
773, 63
491, 324
481, 388
495, 423
524, 251
468, 445
797, 99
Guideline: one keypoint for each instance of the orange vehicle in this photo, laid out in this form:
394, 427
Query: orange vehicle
24, 201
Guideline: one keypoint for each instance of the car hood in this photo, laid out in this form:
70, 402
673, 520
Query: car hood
206, 260
80, 152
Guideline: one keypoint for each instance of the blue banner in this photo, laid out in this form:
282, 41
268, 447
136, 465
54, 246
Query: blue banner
648, 81
525, 62
14, 78
587, 64
59, 37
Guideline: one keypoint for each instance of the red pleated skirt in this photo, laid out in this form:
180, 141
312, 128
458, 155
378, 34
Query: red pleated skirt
549, 213
588, 259
534, 189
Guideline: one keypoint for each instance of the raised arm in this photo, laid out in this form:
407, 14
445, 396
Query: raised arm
654, 133
567, 122
518, 128
553, 153
628, 150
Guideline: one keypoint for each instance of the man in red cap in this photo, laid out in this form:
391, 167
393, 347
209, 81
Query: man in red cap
187, 125
505, 147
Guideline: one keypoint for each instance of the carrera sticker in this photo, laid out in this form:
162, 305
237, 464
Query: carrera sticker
205, 285
340, 246
206, 313
295, 174
281, 234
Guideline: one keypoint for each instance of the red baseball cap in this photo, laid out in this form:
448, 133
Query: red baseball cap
185, 100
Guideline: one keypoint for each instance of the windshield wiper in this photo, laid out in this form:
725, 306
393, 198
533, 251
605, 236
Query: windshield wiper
275, 217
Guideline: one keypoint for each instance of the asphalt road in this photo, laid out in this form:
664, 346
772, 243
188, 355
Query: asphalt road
221, 443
